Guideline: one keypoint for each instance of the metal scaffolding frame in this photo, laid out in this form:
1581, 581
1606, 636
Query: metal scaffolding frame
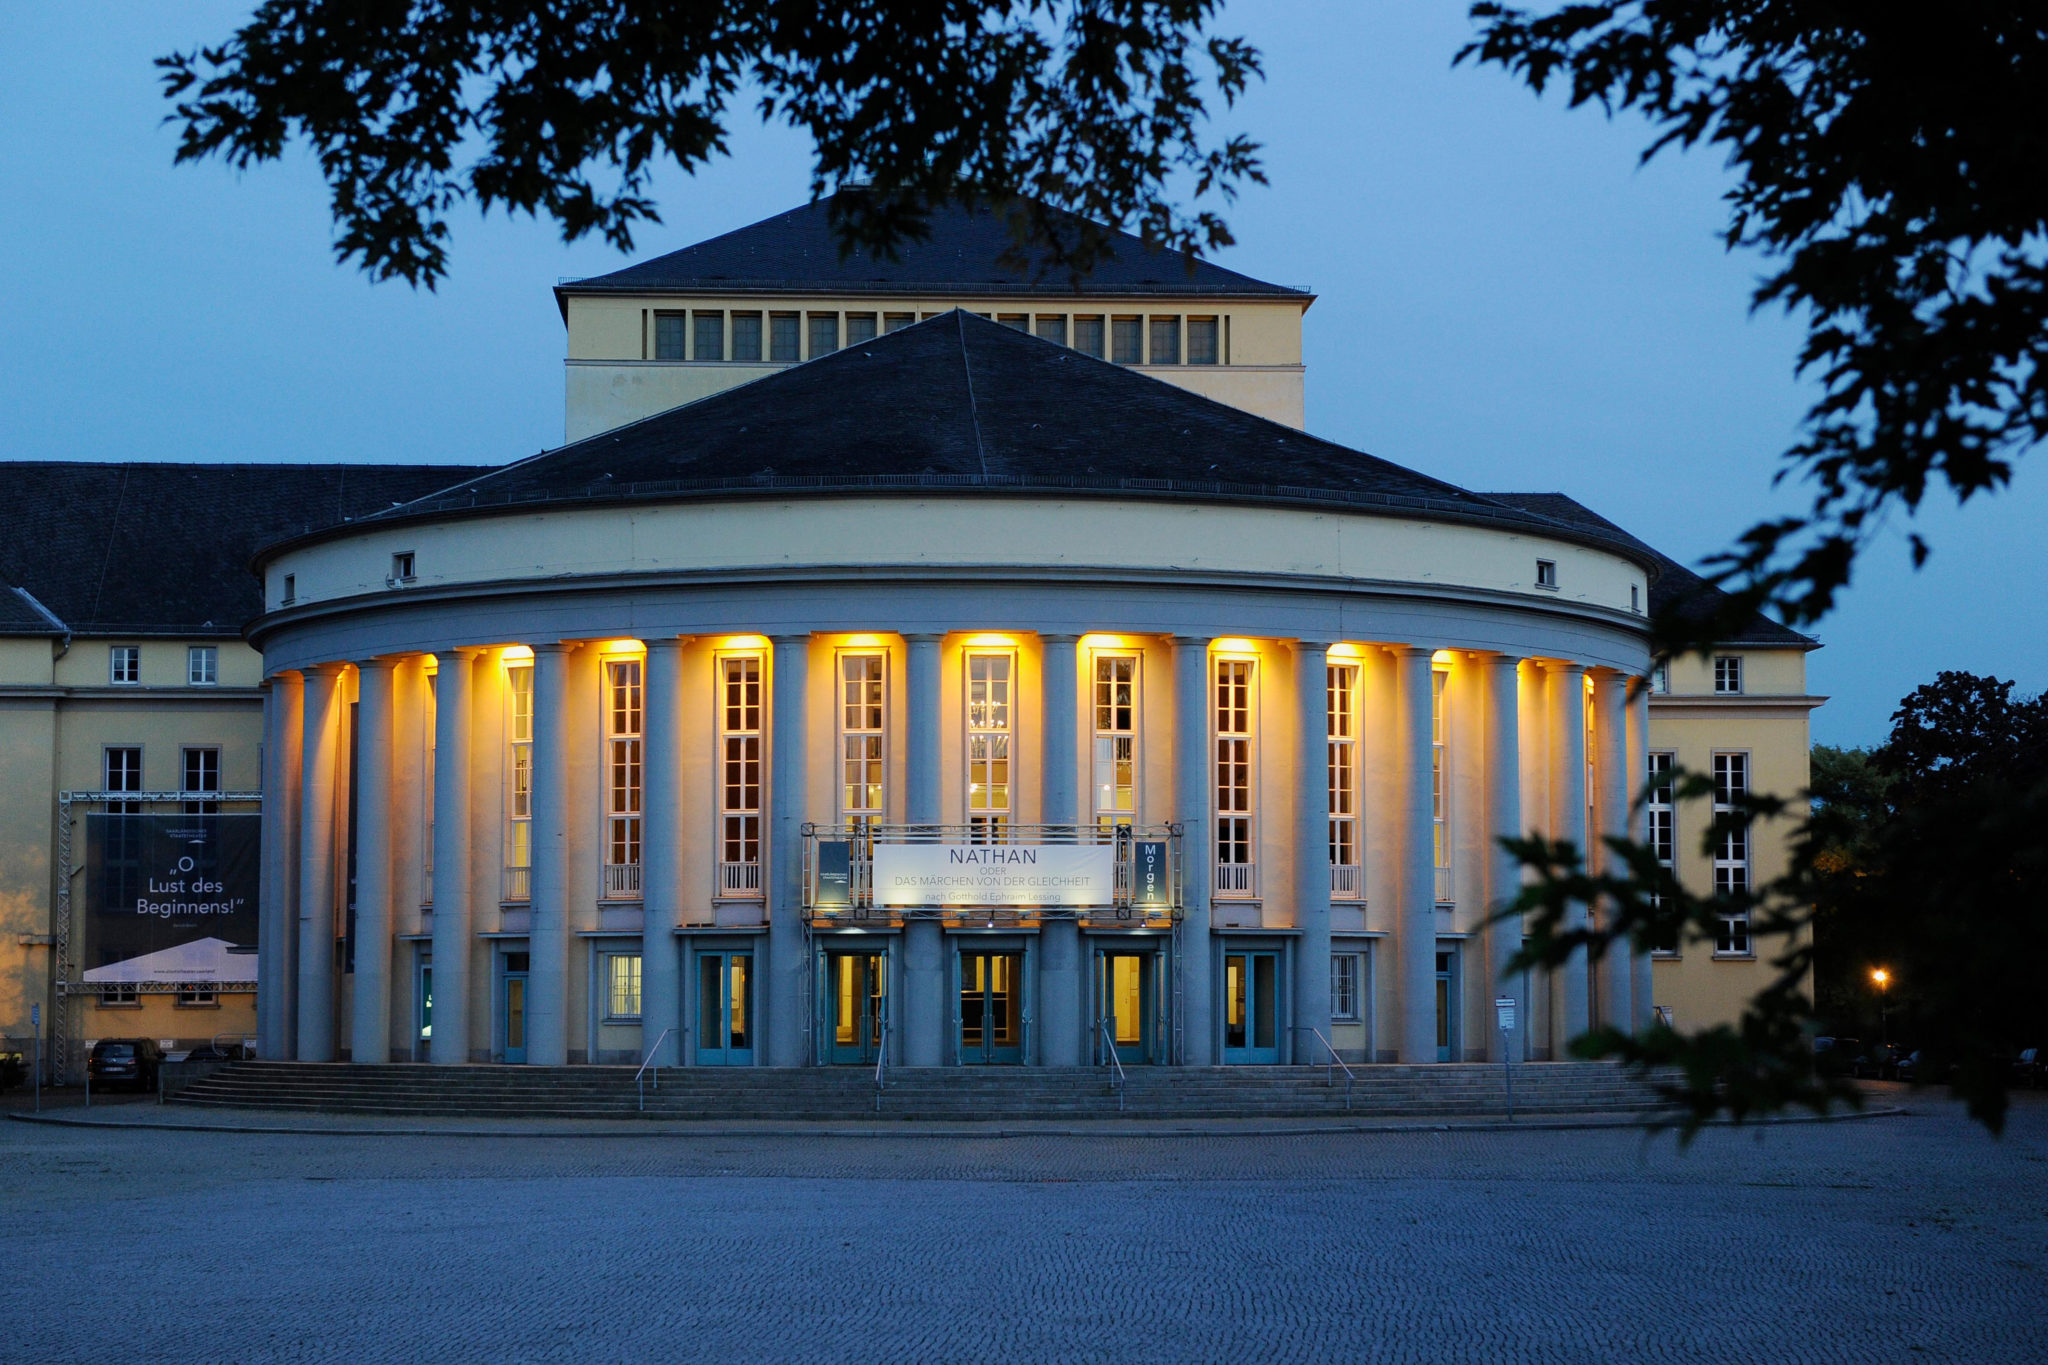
67, 983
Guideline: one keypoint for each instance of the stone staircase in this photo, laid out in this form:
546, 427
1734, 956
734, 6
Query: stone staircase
943, 1094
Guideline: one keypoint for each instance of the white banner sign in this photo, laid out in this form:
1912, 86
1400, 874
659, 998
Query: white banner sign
1033, 875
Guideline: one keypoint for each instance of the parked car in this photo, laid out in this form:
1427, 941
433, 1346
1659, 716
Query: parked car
1878, 1062
2030, 1068
217, 1052
1921, 1069
125, 1061
1836, 1056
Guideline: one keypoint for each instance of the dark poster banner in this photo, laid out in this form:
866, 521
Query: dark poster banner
171, 898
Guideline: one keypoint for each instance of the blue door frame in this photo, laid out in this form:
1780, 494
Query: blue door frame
512, 1020
1251, 1008
991, 1007
725, 1009
1127, 999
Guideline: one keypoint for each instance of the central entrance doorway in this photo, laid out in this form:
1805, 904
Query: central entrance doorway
991, 1008
856, 1006
1251, 1008
725, 1009
1127, 1002
513, 1024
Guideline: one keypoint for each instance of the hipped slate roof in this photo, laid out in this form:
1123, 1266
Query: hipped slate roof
1675, 587
798, 251
164, 549
959, 402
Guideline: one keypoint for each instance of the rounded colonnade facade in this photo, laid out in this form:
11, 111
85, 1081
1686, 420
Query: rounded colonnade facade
913, 752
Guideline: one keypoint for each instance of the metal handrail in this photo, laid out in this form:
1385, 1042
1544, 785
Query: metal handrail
1335, 1061
638, 1089
882, 1065
1116, 1063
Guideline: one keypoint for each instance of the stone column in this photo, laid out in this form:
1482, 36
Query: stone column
1060, 1033
661, 806
1312, 848
1415, 911
452, 688
1568, 751
1611, 802
1642, 983
547, 941
1503, 770
788, 796
1191, 806
924, 1017
276, 964
321, 735
370, 1017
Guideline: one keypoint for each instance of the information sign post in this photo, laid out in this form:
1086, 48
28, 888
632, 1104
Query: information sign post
35, 1023
1504, 1014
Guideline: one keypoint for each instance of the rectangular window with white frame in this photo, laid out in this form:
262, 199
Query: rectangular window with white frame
621, 988
989, 715
202, 665
1115, 757
124, 665
199, 772
739, 775
623, 756
863, 742
1661, 829
120, 997
1727, 673
196, 995
1347, 854
121, 771
1347, 998
1731, 853
1440, 777
519, 780
1236, 719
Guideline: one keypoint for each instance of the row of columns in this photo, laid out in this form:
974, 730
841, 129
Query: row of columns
303, 872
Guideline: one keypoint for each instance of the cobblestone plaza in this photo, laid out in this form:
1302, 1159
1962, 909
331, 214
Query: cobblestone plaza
1898, 1238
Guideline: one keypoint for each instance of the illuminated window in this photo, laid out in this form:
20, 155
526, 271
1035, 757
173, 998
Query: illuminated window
519, 781
1731, 852
1346, 873
1440, 778
622, 986
1659, 816
739, 775
1116, 739
862, 741
622, 759
1233, 776
988, 743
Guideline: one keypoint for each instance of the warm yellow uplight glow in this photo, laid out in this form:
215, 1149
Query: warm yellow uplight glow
518, 653
1232, 644
863, 641
1103, 642
1346, 651
622, 647
991, 639
744, 642
1443, 656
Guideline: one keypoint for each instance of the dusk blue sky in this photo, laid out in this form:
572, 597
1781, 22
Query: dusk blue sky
1506, 301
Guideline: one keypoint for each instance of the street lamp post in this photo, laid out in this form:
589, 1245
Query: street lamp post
1882, 979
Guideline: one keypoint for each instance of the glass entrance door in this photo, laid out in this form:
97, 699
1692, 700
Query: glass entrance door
725, 1009
1251, 1008
1446, 1007
423, 1009
991, 1008
515, 1017
1126, 1000
857, 1000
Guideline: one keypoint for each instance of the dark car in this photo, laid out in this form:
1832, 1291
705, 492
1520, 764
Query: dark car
132, 1062
217, 1052
1878, 1062
2030, 1068
1921, 1069
13, 1070
1836, 1056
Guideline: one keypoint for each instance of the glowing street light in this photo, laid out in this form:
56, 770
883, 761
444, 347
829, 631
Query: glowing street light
1882, 979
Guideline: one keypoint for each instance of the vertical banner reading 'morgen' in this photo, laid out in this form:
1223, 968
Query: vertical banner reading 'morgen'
171, 898
1032, 876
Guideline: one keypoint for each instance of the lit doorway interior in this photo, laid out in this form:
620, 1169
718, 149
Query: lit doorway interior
856, 1006
1251, 1008
1127, 1003
991, 1008
725, 1009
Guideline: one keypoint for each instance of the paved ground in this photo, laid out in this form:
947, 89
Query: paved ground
1892, 1239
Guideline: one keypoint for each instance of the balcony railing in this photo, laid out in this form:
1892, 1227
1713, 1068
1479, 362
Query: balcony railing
1346, 880
621, 881
1443, 884
739, 879
1236, 879
518, 883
